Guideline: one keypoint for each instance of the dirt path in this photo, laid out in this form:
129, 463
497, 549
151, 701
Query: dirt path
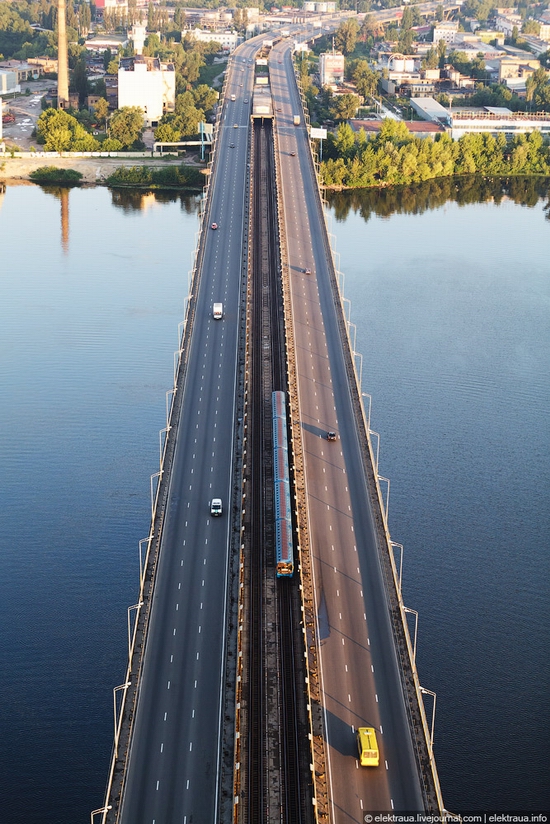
92, 169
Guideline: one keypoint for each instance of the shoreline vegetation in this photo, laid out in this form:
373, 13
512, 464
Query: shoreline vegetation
395, 157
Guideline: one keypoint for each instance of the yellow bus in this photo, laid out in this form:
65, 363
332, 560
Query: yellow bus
368, 747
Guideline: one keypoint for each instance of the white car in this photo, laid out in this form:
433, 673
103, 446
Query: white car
216, 507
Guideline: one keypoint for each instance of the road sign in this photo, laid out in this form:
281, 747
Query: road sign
320, 134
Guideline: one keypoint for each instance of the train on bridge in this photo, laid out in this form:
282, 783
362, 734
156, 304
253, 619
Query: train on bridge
284, 543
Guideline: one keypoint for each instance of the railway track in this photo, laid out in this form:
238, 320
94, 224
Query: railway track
276, 782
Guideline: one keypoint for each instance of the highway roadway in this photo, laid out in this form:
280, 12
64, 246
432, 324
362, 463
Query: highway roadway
173, 767
361, 684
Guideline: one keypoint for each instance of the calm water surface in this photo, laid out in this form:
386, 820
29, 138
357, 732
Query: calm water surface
89, 311
452, 308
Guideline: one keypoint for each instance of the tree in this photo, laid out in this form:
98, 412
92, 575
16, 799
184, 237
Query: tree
531, 27
345, 140
79, 80
366, 80
345, 38
344, 106
127, 125
407, 21
101, 110
441, 53
431, 60
166, 133
205, 97
439, 13
405, 41
61, 132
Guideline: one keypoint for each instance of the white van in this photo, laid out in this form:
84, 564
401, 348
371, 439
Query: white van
217, 311
216, 507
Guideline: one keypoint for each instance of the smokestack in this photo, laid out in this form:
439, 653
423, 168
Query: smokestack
62, 58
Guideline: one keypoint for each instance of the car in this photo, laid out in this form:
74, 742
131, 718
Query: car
235, 125
279, 109
231, 145
246, 100
331, 436
307, 271
242, 84
216, 507
293, 154
214, 226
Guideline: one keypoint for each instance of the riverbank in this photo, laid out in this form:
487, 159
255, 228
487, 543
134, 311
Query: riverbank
93, 169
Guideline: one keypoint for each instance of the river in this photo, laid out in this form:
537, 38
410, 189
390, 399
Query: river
451, 298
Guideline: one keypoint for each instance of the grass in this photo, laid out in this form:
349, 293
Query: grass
208, 73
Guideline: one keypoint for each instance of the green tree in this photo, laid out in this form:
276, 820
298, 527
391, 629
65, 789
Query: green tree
127, 125
79, 80
61, 132
344, 106
101, 110
344, 142
441, 52
205, 97
84, 19
405, 41
365, 79
431, 60
407, 21
531, 27
166, 133
345, 38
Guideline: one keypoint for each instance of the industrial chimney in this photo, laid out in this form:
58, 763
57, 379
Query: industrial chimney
62, 58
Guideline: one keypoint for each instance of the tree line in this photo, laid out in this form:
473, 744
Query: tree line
418, 198
396, 157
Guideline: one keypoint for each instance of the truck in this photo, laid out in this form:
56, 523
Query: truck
296, 120
217, 311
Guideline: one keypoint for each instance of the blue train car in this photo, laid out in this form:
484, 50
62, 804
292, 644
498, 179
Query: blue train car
284, 544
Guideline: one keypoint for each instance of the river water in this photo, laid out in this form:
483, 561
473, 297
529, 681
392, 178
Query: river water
451, 298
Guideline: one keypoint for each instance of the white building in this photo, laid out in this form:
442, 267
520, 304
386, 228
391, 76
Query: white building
496, 120
8, 82
331, 68
544, 33
149, 84
325, 7
228, 40
507, 22
446, 31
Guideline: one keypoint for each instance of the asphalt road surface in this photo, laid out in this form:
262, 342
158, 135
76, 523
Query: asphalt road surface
173, 768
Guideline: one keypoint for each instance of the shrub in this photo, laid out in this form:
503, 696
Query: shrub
51, 174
